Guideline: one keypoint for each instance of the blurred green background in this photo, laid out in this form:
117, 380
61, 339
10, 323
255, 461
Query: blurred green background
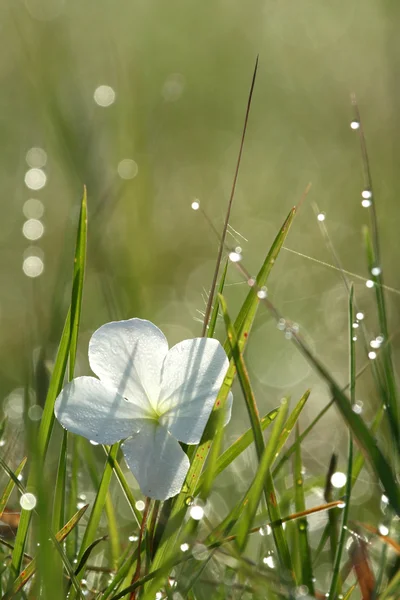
144, 102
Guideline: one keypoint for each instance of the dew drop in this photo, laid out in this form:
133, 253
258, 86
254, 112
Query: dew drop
195, 205
262, 293
189, 501
133, 538
184, 547
338, 479
265, 530
355, 125
28, 501
376, 271
140, 505
197, 512
321, 216
383, 530
80, 505
357, 408
369, 283
354, 338
372, 355
269, 561
360, 316
367, 194
355, 325
288, 334
235, 257
251, 281
281, 324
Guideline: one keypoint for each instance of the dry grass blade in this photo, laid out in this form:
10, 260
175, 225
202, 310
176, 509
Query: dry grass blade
362, 568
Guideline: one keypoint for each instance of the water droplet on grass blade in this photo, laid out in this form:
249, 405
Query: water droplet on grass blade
28, 501
355, 125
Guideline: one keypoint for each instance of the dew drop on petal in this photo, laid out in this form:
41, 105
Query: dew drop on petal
28, 501
94, 443
338, 479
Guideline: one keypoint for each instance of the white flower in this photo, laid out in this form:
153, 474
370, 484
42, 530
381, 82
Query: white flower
148, 395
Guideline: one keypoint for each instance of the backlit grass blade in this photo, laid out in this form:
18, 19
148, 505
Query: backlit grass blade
385, 352
27, 573
10, 486
303, 545
87, 553
124, 485
239, 446
55, 385
335, 581
59, 494
243, 325
291, 421
214, 313
362, 434
247, 313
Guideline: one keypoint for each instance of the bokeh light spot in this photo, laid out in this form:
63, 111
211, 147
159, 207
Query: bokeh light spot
35, 179
33, 266
104, 95
33, 229
36, 158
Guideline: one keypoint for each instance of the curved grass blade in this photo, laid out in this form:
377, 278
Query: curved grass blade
243, 325
335, 581
88, 552
10, 486
214, 313
27, 573
239, 446
303, 546
55, 385
229, 208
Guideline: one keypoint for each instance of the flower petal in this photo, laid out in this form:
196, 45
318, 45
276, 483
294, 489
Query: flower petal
86, 407
156, 460
192, 375
128, 355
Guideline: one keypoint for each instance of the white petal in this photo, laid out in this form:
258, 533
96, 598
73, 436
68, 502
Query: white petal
128, 355
156, 460
192, 375
86, 407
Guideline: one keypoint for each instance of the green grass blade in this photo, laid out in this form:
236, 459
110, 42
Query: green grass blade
361, 433
214, 313
247, 313
385, 351
291, 421
124, 485
78, 279
335, 581
10, 486
243, 325
27, 573
59, 495
235, 449
87, 553
303, 549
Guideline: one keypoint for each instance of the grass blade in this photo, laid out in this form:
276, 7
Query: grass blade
239, 446
243, 325
303, 549
27, 573
10, 486
214, 314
